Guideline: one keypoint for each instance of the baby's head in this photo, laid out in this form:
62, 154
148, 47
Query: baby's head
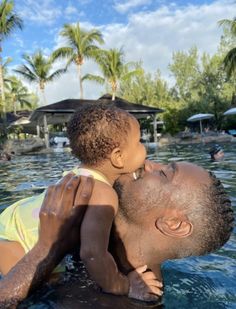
101, 131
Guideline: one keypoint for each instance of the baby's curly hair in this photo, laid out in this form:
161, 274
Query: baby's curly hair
96, 129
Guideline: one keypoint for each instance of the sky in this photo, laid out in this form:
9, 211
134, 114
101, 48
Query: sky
147, 30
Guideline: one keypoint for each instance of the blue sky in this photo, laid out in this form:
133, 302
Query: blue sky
148, 30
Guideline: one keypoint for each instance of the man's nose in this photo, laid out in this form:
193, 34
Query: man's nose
151, 166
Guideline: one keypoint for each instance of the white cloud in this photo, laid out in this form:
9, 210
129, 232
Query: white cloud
42, 12
125, 6
18, 41
67, 86
70, 10
151, 37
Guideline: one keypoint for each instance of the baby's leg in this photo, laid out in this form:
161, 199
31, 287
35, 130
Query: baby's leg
11, 253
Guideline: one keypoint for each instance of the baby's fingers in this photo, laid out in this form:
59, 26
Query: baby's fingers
154, 282
155, 289
149, 275
149, 297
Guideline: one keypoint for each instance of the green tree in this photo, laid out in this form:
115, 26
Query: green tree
113, 68
81, 46
154, 91
17, 94
185, 69
39, 69
139, 89
230, 58
210, 88
9, 21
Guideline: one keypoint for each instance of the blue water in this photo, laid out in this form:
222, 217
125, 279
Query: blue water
199, 282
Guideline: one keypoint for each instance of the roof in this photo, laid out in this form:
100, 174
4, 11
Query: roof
129, 106
61, 111
11, 117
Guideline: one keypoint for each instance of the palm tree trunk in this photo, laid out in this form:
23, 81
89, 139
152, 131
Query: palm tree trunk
113, 89
233, 99
14, 107
42, 87
80, 81
44, 97
3, 103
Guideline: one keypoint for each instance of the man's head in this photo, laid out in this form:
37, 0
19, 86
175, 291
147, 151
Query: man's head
216, 153
100, 131
187, 207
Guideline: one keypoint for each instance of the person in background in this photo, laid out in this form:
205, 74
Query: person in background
216, 153
4, 156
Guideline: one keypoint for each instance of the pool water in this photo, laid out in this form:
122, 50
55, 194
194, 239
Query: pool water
196, 282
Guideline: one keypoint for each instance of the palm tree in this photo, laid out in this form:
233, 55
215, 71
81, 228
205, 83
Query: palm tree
81, 45
9, 21
230, 58
39, 69
17, 93
113, 68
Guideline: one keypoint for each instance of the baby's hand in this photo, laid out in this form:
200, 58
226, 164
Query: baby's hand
144, 285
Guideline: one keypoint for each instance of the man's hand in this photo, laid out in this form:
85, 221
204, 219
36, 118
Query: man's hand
60, 218
144, 285
62, 212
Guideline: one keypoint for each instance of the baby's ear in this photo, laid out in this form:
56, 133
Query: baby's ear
117, 158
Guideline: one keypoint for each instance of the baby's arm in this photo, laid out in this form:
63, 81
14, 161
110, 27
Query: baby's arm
95, 233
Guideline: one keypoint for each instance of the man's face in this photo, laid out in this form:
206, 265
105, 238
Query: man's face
219, 155
170, 181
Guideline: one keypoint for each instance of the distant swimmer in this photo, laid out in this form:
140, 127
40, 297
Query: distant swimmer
4, 156
216, 153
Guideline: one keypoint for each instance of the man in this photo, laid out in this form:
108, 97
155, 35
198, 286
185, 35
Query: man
180, 207
217, 153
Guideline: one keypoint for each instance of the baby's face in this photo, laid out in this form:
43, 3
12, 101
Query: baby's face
134, 152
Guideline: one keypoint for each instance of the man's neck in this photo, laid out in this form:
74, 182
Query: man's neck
131, 249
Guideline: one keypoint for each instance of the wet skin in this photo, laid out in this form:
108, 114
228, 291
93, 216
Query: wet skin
172, 183
168, 180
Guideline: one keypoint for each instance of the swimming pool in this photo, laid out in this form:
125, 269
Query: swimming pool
199, 282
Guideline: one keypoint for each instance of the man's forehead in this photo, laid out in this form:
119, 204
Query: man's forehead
191, 173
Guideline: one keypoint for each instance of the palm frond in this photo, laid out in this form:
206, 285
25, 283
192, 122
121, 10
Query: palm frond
9, 20
130, 74
230, 24
62, 52
56, 74
26, 73
98, 79
230, 62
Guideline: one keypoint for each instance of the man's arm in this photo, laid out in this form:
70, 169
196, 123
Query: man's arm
61, 215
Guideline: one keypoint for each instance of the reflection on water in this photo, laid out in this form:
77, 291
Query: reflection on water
199, 282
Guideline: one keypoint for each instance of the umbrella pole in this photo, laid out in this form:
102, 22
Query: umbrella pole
201, 127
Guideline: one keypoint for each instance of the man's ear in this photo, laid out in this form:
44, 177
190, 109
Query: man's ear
117, 158
175, 226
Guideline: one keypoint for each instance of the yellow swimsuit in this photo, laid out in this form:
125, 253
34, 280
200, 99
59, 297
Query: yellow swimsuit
20, 221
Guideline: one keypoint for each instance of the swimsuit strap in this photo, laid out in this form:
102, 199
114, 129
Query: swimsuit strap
90, 172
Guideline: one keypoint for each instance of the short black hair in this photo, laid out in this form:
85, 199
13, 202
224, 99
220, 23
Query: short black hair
218, 223
214, 150
96, 129
211, 213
